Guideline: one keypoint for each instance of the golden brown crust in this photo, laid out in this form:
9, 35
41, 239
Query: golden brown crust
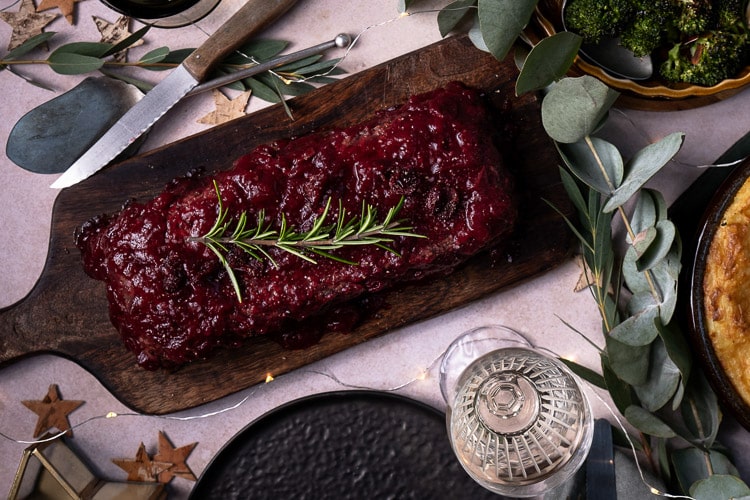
726, 288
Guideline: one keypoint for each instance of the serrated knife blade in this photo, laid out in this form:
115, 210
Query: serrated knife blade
252, 17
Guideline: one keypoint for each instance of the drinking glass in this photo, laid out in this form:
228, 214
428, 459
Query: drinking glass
518, 420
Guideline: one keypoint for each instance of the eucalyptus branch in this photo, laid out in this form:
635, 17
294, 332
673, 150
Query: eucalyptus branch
320, 240
79, 58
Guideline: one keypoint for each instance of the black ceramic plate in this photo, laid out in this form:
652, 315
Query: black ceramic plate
709, 222
341, 445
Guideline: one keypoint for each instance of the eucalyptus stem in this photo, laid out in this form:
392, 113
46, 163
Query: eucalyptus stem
621, 211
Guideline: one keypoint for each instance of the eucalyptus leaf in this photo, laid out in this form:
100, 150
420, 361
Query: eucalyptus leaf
176, 57
139, 84
475, 35
154, 56
282, 88
665, 470
643, 240
638, 329
573, 191
256, 50
452, 14
602, 261
91, 49
598, 164
664, 276
664, 237
648, 423
650, 208
29, 45
643, 166
629, 363
663, 379
680, 354
585, 373
319, 67
691, 465
261, 90
667, 274
574, 108
548, 61
73, 64
620, 392
700, 411
128, 41
301, 63
719, 486
501, 21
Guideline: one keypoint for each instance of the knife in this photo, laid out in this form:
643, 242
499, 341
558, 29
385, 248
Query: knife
252, 17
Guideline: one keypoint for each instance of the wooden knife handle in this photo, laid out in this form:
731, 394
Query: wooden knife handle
251, 18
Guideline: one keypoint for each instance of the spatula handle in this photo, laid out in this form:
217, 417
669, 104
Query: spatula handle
251, 18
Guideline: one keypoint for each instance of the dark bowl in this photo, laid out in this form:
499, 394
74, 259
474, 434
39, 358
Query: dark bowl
702, 344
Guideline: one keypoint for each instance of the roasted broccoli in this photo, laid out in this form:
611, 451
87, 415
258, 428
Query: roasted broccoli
596, 20
648, 28
693, 41
730, 15
707, 60
694, 16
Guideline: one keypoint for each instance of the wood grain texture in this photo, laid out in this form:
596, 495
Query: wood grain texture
66, 312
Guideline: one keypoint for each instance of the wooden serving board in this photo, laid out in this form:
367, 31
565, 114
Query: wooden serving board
66, 312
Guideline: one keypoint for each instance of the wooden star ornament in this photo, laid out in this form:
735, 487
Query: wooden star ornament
53, 412
226, 109
143, 468
66, 7
26, 23
114, 33
177, 457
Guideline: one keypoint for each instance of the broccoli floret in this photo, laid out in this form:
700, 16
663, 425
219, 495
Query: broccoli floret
707, 60
648, 29
730, 15
695, 17
596, 20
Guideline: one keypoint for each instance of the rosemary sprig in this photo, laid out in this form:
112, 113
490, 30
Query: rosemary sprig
320, 240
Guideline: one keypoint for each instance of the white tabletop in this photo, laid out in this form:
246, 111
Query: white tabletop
535, 307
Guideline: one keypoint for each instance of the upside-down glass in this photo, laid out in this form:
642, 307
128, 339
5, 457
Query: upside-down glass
518, 420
